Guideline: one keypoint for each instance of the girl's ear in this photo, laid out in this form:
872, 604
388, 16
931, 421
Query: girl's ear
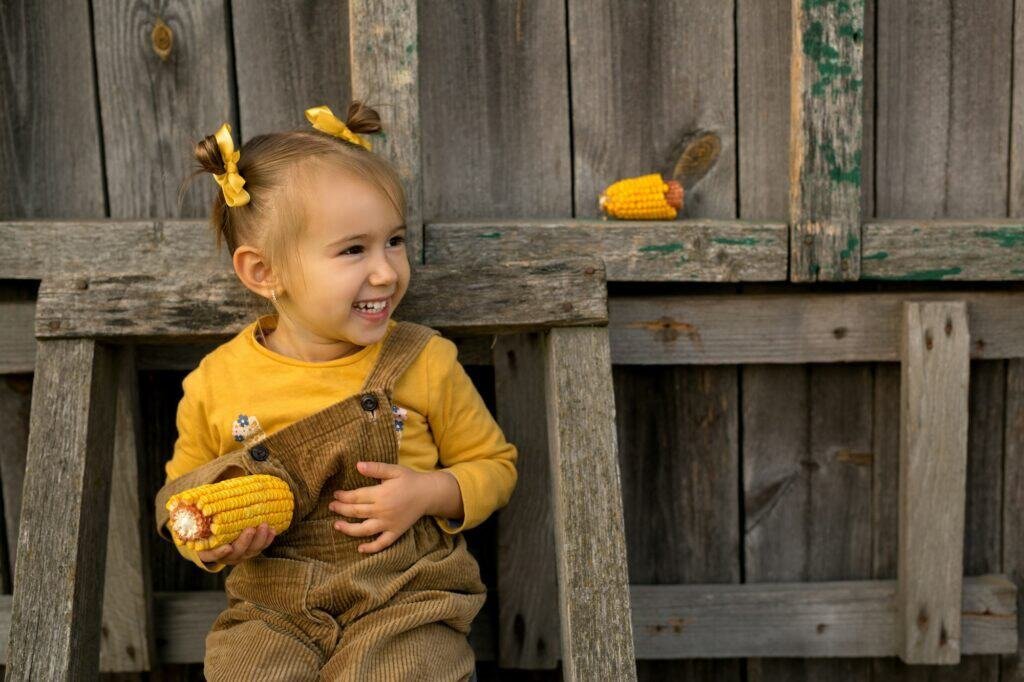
253, 270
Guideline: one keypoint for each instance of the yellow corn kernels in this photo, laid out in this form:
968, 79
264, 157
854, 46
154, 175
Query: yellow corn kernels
646, 197
208, 516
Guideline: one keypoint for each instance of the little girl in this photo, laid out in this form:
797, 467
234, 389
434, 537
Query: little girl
372, 422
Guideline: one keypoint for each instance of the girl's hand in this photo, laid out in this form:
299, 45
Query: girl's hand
248, 544
390, 508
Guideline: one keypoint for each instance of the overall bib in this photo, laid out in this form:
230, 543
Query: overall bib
311, 606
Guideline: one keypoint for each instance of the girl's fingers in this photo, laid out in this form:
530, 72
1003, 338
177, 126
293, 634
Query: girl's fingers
385, 539
355, 511
370, 527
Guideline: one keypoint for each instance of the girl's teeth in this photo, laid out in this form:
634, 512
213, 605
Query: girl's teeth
371, 307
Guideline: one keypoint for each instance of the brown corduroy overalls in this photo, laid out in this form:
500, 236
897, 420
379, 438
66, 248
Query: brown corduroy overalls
311, 606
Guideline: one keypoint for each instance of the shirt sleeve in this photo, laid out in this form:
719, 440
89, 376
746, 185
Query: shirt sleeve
194, 447
471, 445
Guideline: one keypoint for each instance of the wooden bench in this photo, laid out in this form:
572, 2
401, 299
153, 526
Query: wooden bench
84, 427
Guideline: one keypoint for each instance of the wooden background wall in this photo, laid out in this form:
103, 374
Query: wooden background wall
731, 473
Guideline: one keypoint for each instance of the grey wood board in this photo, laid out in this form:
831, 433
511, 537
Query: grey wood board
508, 296
289, 57
155, 108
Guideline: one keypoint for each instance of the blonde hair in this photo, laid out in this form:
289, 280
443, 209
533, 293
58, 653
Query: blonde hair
276, 167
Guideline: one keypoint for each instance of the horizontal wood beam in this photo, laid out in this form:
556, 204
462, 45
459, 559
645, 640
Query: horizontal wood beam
506, 297
704, 329
946, 249
805, 620
701, 250
820, 619
694, 250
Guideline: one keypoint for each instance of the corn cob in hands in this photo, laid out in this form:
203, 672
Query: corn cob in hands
215, 514
646, 197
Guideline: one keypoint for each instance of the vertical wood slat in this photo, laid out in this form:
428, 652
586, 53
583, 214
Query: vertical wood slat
656, 69
385, 66
55, 627
288, 57
164, 83
128, 643
49, 91
596, 625
932, 484
528, 630
825, 140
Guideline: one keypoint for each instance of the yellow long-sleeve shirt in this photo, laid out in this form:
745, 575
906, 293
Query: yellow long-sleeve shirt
242, 390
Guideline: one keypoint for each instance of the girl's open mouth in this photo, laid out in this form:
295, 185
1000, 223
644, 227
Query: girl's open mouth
373, 312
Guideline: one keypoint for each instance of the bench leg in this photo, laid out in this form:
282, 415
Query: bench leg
590, 544
58, 583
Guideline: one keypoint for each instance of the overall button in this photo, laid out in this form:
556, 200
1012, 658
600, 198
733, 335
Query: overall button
259, 452
369, 402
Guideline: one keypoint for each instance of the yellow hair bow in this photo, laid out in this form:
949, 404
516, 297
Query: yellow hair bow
323, 119
230, 181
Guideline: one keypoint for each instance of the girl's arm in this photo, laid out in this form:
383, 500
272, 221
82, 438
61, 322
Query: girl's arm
194, 448
471, 445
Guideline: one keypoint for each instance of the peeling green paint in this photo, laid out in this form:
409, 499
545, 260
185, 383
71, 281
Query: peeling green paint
664, 248
937, 273
833, 67
852, 242
835, 172
410, 47
490, 235
881, 255
1008, 237
739, 241
1017, 271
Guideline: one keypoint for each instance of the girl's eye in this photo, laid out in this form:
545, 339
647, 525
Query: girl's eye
350, 250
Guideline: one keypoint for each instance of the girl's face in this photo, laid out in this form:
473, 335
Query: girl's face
352, 252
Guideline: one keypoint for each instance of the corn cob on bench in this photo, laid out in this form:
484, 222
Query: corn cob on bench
87, 328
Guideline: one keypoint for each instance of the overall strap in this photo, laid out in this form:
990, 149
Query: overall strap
402, 345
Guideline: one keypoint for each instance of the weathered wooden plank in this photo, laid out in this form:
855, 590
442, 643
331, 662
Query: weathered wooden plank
504, 63
384, 62
505, 297
1012, 545
15, 402
528, 628
944, 249
127, 644
807, 487
795, 328
646, 78
289, 57
697, 250
825, 619
596, 635
693, 621
933, 462
825, 140
720, 329
55, 627
687, 250
36, 250
164, 82
48, 83
762, 109
678, 440
944, 71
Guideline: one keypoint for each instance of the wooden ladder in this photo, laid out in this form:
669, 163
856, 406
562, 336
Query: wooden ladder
84, 425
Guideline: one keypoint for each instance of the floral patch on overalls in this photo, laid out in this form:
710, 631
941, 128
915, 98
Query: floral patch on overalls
400, 414
246, 427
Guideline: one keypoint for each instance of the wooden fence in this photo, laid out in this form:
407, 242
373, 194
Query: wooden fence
771, 508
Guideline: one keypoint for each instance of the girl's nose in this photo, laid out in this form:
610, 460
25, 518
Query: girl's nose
382, 272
